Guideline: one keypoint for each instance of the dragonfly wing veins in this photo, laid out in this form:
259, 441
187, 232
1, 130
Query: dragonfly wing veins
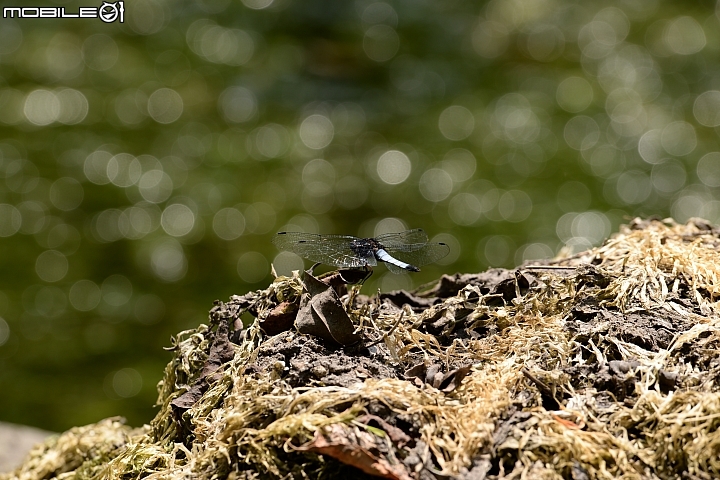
335, 250
399, 251
415, 236
419, 256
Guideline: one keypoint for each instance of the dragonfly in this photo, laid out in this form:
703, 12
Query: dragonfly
401, 252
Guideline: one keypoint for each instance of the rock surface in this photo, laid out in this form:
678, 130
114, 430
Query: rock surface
16, 441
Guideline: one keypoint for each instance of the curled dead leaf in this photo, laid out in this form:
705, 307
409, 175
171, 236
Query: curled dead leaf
354, 447
323, 315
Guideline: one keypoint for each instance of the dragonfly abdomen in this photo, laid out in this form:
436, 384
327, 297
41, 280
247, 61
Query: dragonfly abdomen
381, 254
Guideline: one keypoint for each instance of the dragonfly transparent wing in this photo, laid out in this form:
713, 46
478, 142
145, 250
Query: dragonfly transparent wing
418, 254
416, 236
395, 268
332, 250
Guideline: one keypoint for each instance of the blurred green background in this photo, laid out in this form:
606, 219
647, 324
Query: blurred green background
144, 166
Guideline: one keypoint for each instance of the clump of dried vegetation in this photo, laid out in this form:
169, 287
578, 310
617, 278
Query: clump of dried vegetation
599, 365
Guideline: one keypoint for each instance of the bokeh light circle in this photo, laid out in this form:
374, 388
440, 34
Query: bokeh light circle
165, 105
490, 39
155, 186
679, 138
271, 140
84, 295
42, 107
535, 251
456, 122
4, 332
252, 267
238, 104
393, 167
228, 223
387, 225
574, 94
100, 52
582, 132
178, 220
650, 146
316, 131
436, 185
66, 194
127, 382
685, 36
51, 266
257, 4
668, 177
381, 43
633, 187
10, 220
708, 169
495, 250
124, 170
515, 206
460, 164
286, 262
73, 106
465, 209
168, 260
116, 290
707, 108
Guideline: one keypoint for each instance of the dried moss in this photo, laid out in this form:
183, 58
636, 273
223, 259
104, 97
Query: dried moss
600, 365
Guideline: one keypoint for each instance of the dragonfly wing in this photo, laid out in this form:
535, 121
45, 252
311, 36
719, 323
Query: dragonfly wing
394, 268
287, 240
332, 250
419, 254
416, 236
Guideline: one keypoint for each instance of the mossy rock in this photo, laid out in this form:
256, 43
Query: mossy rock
599, 365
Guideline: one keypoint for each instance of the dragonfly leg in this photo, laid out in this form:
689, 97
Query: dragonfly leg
368, 273
355, 276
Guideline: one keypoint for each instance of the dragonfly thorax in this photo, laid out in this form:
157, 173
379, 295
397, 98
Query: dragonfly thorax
365, 247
